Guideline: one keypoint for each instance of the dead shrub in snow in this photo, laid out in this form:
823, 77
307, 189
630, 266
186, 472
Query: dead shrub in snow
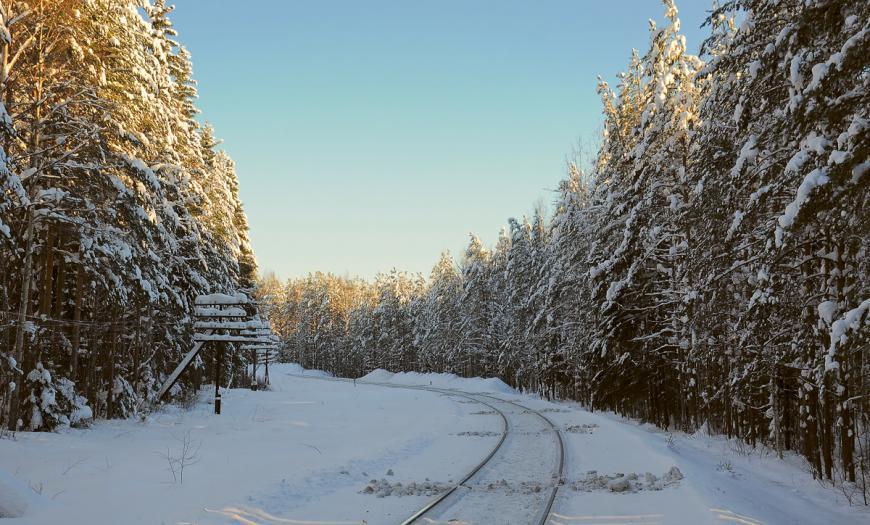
186, 455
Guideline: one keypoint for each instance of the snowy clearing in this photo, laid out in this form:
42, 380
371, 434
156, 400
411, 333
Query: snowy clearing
331, 451
304, 451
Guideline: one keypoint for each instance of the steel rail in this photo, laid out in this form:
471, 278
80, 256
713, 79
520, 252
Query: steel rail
560, 471
441, 497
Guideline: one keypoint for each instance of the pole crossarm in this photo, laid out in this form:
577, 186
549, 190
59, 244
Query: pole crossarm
213, 311
230, 338
228, 325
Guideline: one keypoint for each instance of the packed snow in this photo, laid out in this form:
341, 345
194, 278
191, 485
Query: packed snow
324, 450
303, 450
448, 381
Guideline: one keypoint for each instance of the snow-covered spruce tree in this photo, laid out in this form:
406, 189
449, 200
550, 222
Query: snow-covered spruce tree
51, 106
614, 197
40, 404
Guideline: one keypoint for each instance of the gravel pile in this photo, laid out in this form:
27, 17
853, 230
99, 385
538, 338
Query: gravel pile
631, 482
582, 429
383, 488
523, 487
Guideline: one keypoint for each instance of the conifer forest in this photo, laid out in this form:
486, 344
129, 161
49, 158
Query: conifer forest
118, 209
711, 269
705, 270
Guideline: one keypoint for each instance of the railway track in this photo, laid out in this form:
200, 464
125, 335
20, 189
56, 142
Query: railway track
447, 501
557, 478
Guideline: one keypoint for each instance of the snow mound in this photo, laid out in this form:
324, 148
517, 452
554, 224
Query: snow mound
378, 376
448, 381
296, 369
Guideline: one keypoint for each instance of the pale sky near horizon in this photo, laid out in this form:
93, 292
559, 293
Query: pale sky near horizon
370, 135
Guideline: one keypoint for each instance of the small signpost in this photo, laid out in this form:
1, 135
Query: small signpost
222, 319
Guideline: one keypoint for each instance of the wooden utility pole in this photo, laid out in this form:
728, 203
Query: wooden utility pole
223, 319
218, 368
254, 364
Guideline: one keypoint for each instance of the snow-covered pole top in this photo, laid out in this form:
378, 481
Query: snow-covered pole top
222, 299
229, 325
232, 338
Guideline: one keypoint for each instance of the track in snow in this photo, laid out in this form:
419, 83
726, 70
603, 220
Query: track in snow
513, 483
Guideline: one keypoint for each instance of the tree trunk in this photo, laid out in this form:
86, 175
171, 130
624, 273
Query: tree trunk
27, 267
110, 392
47, 270
846, 427
776, 414
77, 318
24, 301
827, 422
59, 283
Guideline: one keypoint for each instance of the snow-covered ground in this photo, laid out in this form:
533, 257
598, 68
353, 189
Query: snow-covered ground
321, 451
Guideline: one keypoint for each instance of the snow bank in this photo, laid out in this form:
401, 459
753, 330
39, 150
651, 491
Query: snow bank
284, 454
449, 381
296, 369
16, 497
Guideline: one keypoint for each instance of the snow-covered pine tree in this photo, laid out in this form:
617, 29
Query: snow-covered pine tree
436, 324
474, 344
100, 238
567, 303
643, 187
786, 119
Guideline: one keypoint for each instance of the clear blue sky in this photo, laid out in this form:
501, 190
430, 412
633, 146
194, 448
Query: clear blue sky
371, 134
